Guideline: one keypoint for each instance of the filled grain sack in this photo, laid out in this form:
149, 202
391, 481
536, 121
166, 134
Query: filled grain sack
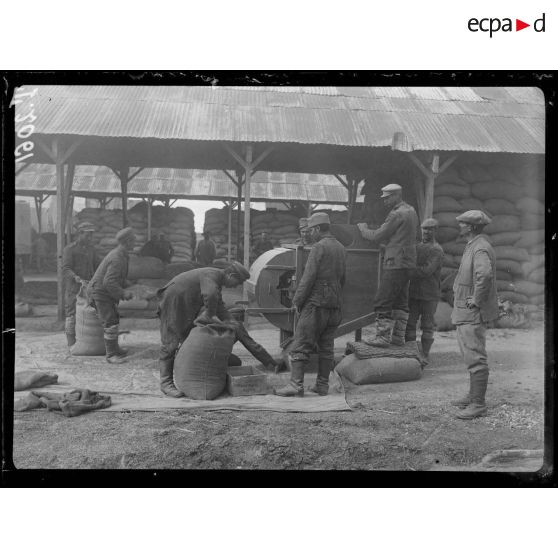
530, 205
537, 249
145, 267
503, 223
378, 370
532, 221
442, 317
457, 191
89, 331
474, 173
471, 203
505, 238
537, 299
497, 206
511, 266
533, 263
537, 275
446, 234
530, 238
511, 253
505, 286
503, 275
200, 366
516, 298
446, 203
447, 219
486, 190
529, 288
450, 175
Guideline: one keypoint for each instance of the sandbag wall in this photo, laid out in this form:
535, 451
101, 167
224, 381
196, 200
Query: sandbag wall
281, 227
176, 223
512, 194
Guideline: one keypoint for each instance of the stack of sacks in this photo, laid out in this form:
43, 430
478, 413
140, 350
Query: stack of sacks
280, 226
176, 223
516, 231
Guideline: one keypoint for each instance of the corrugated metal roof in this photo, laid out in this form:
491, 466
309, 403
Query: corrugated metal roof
95, 181
345, 116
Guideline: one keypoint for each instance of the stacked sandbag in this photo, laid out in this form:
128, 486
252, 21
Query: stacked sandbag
281, 227
176, 223
513, 197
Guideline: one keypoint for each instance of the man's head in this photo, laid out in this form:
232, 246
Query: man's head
263, 236
318, 223
304, 231
126, 238
162, 236
235, 275
428, 228
472, 222
392, 194
85, 232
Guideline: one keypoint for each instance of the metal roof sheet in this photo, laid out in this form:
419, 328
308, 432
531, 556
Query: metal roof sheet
342, 116
95, 181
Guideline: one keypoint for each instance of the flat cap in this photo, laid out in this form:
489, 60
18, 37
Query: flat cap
319, 218
390, 189
474, 217
86, 226
302, 224
240, 270
429, 224
125, 234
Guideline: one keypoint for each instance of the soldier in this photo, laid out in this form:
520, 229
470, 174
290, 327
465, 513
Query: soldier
262, 245
318, 301
106, 289
205, 251
79, 262
424, 288
180, 303
475, 304
399, 231
305, 235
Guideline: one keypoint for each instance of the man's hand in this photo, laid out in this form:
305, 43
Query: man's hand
469, 303
77, 279
128, 296
362, 226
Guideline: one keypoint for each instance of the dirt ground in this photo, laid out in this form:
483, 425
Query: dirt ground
400, 426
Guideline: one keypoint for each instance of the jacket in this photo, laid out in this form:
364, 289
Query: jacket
324, 275
399, 232
205, 252
79, 260
110, 278
476, 278
425, 281
182, 298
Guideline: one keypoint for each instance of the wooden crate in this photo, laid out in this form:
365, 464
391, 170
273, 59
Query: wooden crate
246, 380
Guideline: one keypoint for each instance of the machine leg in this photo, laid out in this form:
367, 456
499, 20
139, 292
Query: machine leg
358, 335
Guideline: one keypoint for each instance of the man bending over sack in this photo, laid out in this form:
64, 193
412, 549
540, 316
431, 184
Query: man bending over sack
180, 303
106, 289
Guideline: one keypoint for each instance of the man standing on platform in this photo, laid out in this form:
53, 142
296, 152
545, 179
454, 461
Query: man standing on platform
106, 289
205, 251
475, 304
424, 288
399, 232
79, 262
318, 302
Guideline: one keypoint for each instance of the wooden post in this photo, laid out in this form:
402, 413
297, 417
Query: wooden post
247, 181
39, 210
124, 187
69, 202
229, 246
240, 182
149, 204
60, 225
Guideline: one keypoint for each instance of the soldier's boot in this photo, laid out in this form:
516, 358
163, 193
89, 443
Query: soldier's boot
399, 327
114, 353
70, 330
167, 382
321, 387
462, 402
295, 387
426, 344
383, 333
477, 406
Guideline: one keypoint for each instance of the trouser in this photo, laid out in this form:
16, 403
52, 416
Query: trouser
172, 337
425, 310
107, 312
316, 326
471, 339
393, 292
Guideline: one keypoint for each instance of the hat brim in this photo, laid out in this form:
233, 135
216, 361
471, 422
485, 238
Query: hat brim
387, 194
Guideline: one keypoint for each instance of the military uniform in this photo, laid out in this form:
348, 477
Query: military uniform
205, 252
319, 298
399, 232
424, 293
475, 304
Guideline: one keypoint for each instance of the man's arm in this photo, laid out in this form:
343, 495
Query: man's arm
482, 277
308, 278
112, 278
211, 295
384, 232
433, 263
67, 264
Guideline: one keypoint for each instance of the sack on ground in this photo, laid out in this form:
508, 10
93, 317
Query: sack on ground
379, 370
89, 331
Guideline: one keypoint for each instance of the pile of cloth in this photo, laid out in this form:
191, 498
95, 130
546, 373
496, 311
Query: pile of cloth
71, 404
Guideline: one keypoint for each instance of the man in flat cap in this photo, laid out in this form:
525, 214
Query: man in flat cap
424, 287
475, 304
79, 262
180, 302
317, 299
106, 289
399, 233
305, 238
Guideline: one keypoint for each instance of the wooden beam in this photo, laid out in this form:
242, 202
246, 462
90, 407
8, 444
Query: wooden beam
343, 182
447, 163
69, 201
149, 206
247, 179
124, 187
260, 158
240, 182
59, 229
22, 168
39, 209
235, 156
229, 231
419, 164
134, 174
